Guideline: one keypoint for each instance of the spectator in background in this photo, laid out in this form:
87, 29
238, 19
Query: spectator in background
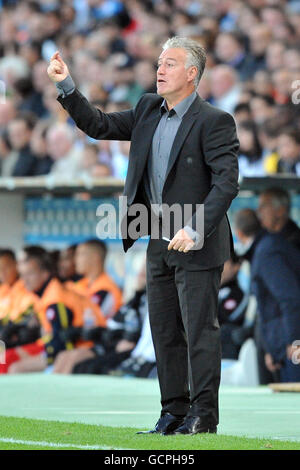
38, 146
19, 133
275, 274
250, 153
121, 336
8, 156
260, 36
262, 108
286, 160
225, 88
58, 309
274, 214
66, 265
242, 113
230, 50
97, 286
61, 148
232, 307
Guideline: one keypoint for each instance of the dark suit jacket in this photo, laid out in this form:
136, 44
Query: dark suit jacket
202, 168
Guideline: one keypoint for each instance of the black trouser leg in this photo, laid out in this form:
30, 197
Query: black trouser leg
186, 336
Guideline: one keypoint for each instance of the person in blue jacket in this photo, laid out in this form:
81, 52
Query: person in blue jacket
275, 282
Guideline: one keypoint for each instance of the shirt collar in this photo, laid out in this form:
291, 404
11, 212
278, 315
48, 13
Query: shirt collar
182, 107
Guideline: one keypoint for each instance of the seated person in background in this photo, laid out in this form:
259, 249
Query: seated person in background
15, 304
97, 286
57, 308
232, 307
250, 153
142, 360
287, 158
8, 277
274, 214
275, 282
122, 333
66, 265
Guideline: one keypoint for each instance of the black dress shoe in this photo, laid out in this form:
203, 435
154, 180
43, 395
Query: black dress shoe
195, 425
166, 424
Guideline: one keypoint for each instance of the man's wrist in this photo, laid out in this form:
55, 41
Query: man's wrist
66, 86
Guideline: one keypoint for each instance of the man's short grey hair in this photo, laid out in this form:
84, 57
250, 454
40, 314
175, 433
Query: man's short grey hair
195, 54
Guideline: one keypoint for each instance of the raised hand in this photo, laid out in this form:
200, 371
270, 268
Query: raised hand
57, 69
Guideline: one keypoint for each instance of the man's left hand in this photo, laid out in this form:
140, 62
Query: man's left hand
181, 242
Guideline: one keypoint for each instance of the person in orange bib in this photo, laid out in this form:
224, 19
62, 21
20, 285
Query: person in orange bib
100, 288
57, 307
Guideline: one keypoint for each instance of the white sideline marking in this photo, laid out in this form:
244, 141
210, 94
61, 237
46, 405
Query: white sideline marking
58, 444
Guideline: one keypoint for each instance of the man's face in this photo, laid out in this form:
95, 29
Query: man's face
173, 79
268, 214
33, 276
66, 264
84, 258
8, 270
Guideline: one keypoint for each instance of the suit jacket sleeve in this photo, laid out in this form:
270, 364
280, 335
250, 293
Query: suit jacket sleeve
220, 146
94, 122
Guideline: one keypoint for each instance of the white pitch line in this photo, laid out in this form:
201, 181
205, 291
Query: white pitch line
58, 444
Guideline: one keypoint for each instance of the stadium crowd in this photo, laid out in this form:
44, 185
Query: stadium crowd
111, 47
61, 312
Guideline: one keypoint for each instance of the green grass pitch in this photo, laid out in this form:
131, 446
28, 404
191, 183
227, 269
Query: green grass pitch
55, 412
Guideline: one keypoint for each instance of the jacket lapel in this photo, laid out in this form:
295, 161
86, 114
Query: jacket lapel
187, 122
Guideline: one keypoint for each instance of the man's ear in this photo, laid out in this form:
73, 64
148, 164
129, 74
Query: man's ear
192, 73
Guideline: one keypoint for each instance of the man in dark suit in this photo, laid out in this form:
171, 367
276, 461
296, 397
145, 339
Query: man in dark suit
184, 152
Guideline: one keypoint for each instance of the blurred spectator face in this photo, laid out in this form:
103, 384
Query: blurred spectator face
59, 141
292, 59
50, 101
66, 264
33, 276
242, 115
246, 139
144, 74
287, 148
85, 258
269, 213
223, 79
90, 157
272, 17
8, 270
261, 110
274, 55
227, 48
39, 72
19, 134
173, 78
7, 112
260, 37
38, 143
30, 53
282, 81
263, 83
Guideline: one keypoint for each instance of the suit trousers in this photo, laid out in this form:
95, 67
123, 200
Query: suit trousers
183, 303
